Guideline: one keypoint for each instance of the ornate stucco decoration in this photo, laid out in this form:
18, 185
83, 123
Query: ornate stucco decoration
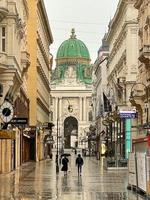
145, 55
3, 10
25, 61
20, 25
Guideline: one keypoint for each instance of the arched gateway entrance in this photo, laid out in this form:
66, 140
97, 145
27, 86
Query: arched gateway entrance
70, 132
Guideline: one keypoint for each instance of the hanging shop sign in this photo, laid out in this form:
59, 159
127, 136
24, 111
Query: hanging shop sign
128, 114
19, 121
7, 134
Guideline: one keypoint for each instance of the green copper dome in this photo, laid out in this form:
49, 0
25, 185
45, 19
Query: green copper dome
73, 48
72, 63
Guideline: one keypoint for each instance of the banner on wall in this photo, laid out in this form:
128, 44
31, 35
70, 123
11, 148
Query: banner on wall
148, 174
141, 170
132, 170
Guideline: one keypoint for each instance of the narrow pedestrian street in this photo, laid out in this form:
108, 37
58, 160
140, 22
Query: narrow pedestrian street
39, 181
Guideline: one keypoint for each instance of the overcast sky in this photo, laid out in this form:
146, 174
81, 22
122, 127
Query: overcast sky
90, 18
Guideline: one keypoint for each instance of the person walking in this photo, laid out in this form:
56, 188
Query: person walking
75, 151
65, 162
79, 164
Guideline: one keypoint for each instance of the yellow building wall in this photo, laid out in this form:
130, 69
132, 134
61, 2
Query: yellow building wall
32, 49
5, 155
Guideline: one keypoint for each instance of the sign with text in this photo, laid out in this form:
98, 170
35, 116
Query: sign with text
128, 114
18, 120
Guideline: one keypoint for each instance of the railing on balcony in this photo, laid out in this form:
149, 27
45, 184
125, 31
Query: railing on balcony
3, 9
145, 55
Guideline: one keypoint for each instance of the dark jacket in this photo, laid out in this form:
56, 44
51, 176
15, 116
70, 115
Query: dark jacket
79, 161
65, 164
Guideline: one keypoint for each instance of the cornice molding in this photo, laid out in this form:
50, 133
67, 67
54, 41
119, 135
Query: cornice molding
118, 66
43, 75
41, 46
73, 60
117, 43
120, 39
26, 7
42, 98
41, 7
118, 15
42, 105
116, 18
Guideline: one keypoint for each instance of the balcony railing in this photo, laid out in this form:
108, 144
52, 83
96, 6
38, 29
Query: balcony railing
3, 9
145, 55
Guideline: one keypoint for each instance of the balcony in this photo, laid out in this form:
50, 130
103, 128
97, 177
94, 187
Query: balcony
3, 9
145, 55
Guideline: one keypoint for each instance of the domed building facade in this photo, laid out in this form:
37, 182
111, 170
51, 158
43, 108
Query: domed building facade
71, 91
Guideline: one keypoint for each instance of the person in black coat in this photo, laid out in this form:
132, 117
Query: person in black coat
65, 162
79, 163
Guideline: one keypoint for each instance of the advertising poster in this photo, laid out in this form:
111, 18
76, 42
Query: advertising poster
132, 170
148, 173
141, 170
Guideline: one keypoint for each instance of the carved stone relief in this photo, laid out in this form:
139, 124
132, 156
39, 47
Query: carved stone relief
75, 104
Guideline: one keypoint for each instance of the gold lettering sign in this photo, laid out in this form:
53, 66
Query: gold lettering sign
7, 134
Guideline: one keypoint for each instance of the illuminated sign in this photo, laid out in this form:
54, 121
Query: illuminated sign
128, 114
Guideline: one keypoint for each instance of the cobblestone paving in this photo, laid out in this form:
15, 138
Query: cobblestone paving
39, 181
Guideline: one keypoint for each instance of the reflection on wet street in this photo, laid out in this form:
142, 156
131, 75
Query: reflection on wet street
39, 181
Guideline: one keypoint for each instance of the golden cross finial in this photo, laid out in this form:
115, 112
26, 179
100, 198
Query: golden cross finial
73, 33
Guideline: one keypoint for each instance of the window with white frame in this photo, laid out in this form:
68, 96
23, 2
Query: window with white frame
3, 39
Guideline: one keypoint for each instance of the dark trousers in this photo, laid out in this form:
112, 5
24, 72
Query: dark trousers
79, 169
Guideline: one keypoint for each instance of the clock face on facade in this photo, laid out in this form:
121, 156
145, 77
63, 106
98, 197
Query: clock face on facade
6, 111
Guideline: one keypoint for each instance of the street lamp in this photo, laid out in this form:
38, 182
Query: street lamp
70, 109
132, 98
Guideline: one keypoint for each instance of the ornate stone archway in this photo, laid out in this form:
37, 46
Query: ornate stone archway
70, 132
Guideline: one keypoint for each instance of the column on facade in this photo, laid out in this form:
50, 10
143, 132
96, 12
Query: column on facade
80, 108
60, 109
60, 116
84, 110
56, 103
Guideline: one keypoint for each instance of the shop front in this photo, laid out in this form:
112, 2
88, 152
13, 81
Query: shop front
28, 146
7, 151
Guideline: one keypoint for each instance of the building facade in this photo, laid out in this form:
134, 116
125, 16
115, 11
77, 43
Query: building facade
141, 91
14, 63
99, 91
122, 69
39, 38
71, 92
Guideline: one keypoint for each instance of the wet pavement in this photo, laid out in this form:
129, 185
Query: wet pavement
39, 181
